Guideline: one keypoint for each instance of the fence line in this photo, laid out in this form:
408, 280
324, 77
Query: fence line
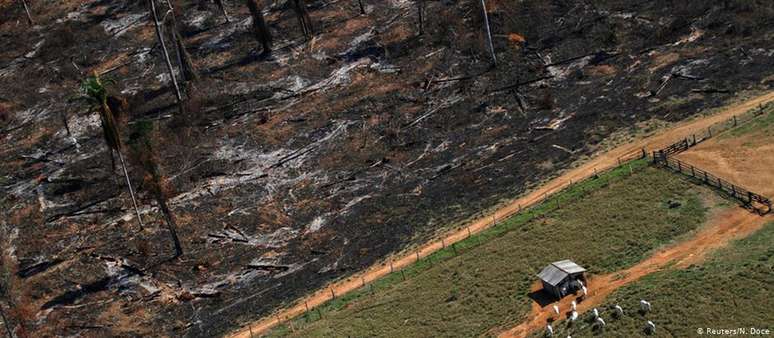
661, 156
749, 199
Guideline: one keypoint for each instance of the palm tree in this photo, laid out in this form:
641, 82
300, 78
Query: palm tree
142, 153
96, 94
261, 30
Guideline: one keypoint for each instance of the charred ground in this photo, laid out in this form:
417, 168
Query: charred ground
308, 166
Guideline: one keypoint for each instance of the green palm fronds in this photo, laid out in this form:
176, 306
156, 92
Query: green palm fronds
96, 94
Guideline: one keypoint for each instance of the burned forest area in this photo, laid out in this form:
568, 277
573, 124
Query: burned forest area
358, 135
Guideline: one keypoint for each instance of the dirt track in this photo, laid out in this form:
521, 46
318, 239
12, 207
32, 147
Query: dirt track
601, 162
723, 227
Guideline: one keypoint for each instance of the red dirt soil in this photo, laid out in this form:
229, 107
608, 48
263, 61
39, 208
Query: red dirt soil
745, 160
601, 162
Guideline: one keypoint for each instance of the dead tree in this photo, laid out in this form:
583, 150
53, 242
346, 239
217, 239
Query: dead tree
421, 15
260, 29
223, 10
362, 8
489, 34
144, 155
299, 6
6, 323
188, 72
160, 37
27, 10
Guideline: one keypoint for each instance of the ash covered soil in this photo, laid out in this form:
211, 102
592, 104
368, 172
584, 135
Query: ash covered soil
294, 170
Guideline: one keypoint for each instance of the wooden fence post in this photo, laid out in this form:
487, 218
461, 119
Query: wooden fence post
333, 295
468, 232
417, 255
391, 268
734, 120
403, 273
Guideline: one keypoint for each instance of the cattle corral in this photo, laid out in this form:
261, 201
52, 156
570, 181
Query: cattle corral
338, 151
658, 157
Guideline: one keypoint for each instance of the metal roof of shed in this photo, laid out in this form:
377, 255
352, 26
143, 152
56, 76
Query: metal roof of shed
558, 271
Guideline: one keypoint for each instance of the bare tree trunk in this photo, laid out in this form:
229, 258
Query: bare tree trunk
131, 191
489, 34
299, 6
5, 322
421, 16
362, 8
185, 64
170, 220
160, 37
261, 30
223, 9
27, 10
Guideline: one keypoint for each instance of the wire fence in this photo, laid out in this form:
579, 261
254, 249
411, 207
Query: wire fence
411, 263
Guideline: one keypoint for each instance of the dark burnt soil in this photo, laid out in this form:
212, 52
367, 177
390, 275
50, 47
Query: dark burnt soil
294, 170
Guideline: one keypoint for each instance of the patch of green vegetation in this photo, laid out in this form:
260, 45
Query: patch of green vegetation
762, 124
604, 224
732, 289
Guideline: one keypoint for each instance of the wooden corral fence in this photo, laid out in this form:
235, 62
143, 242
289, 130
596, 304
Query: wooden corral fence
749, 199
663, 157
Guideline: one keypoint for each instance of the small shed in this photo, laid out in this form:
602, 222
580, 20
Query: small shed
561, 278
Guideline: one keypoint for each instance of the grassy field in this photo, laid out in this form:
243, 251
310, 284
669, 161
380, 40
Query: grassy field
732, 289
604, 224
760, 125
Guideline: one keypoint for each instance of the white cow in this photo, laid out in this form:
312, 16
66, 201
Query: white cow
574, 316
574, 305
585, 291
556, 309
619, 310
644, 305
601, 322
549, 330
596, 313
650, 327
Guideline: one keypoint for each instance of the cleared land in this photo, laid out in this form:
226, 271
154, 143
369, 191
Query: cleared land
723, 226
742, 155
605, 160
620, 219
730, 289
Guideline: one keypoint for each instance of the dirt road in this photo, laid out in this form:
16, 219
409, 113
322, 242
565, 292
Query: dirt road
601, 162
723, 227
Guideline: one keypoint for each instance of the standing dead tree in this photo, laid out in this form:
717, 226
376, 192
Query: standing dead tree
362, 8
27, 10
223, 10
260, 29
160, 37
489, 33
143, 154
97, 95
188, 72
304, 20
421, 15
